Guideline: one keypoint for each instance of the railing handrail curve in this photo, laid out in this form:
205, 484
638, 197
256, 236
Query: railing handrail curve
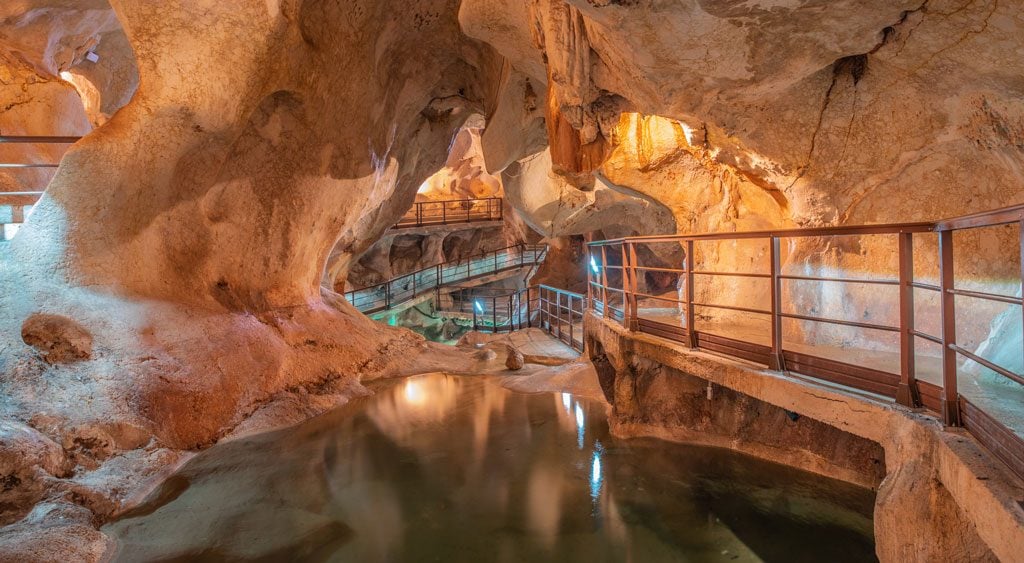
618, 301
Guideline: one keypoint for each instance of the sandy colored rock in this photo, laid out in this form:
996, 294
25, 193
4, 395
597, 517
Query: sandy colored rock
54, 531
27, 459
58, 339
514, 359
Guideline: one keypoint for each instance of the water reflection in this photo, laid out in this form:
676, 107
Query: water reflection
460, 469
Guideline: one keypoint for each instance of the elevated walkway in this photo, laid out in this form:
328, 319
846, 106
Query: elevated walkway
415, 287
963, 384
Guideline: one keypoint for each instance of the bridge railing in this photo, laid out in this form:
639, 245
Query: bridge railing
628, 283
427, 213
556, 311
15, 206
404, 288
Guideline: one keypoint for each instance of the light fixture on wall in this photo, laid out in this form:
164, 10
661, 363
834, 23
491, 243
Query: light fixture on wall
593, 265
92, 57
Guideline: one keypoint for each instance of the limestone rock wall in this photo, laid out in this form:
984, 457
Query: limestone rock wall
803, 114
39, 105
464, 175
188, 235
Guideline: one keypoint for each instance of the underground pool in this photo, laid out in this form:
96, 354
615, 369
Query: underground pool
446, 468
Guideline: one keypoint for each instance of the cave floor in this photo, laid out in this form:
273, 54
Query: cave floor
1000, 397
540, 343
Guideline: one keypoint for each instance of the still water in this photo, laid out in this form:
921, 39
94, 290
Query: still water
443, 468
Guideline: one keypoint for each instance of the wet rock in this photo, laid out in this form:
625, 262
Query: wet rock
515, 360
473, 338
57, 338
449, 329
485, 354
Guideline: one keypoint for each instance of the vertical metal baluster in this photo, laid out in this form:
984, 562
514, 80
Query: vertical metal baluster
626, 313
950, 395
634, 287
776, 362
907, 393
691, 323
604, 280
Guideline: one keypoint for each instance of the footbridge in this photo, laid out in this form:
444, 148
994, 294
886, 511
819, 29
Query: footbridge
913, 340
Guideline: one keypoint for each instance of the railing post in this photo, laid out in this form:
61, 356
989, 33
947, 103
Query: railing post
604, 280
950, 394
1020, 234
906, 392
634, 320
444, 214
558, 313
494, 314
529, 319
437, 286
387, 294
570, 321
775, 253
495, 262
691, 328
501, 209
627, 313
590, 275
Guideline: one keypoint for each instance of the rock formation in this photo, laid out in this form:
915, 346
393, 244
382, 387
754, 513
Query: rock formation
169, 283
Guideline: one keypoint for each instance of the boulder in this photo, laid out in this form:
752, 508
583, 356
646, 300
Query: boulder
57, 338
515, 360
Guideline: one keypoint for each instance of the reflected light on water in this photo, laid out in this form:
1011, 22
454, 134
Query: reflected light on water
579, 426
414, 393
446, 468
595, 472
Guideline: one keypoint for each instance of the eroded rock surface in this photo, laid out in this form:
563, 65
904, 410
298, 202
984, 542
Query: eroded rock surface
57, 338
188, 236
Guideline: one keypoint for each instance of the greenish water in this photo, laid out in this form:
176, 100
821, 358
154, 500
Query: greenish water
443, 468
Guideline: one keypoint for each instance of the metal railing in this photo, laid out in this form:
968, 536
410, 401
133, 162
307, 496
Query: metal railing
405, 288
614, 292
427, 213
14, 206
556, 311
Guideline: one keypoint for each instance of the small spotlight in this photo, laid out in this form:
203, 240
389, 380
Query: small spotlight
479, 307
593, 264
